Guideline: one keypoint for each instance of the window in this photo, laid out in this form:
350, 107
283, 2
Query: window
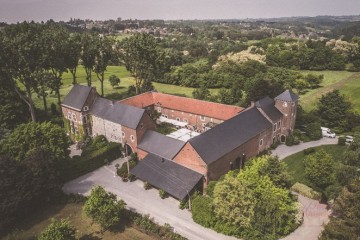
202, 118
178, 119
76, 130
261, 142
279, 124
141, 125
203, 124
285, 104
88, 131
159, 109
69, 115
185, 120
84, 119
86, 108
132, 138
123, 134
275, 127
73, 116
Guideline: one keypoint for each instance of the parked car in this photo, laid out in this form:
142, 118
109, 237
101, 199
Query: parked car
326, 132
349, 139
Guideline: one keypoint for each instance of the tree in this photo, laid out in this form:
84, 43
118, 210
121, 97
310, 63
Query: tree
104, 55
58, 230
334, 110
31, 136
88, 56
277, 171
114, 80
73, 55
345, 220
141, 56
103, 208
201, 93
22, 58
319, 169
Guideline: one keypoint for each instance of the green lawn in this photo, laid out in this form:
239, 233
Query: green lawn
296, 166
33, 224
116, 93
347, 82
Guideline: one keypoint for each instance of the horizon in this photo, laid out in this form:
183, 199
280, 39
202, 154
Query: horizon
13, 11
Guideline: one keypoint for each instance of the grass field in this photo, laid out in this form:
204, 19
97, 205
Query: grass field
347, 82
296, 165
116, 93
34, 224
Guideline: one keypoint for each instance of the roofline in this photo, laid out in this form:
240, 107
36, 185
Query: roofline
64, 105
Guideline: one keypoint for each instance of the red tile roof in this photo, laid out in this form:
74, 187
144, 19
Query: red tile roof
183, 104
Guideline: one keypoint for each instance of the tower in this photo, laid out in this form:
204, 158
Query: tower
287, 102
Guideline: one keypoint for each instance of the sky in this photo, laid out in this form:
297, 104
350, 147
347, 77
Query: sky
12, 11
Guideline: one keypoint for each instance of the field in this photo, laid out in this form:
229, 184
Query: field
34, 224
116, 93
296, 166
347, 82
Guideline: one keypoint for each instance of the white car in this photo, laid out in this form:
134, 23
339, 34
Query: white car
349, 139
326, 132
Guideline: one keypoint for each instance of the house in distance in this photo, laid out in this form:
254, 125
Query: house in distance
212, 138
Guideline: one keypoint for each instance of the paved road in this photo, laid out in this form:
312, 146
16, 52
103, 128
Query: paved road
284, 151
144, 202
315, 216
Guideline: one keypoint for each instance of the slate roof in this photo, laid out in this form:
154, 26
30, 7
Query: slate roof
125, 115
225, 137
268, 106
161, 145
77, 96
165, 174
287, 96
184, 104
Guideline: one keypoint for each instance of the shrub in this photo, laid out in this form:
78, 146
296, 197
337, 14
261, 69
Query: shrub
210, 188
147, 186
306, 191
313, 130
123, 171
162, 194
341, 141
292, 140
184, 204
58, 230
309, 151
131, 177
202, 211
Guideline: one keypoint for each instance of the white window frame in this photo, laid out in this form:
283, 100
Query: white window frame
178, 119
86, 108
275, 127
123, 134
202, 118
73, 116
261, 142
158, 109
185, 120
132, 138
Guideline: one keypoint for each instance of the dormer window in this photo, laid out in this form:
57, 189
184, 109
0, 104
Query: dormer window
86, 108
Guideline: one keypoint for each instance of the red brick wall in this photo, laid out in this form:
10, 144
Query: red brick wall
189, 158
222, 166
141, 153
193, 119
288, 121
127, 139
146, 123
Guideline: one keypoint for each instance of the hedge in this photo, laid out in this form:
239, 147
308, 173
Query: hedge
80, 165
306, 191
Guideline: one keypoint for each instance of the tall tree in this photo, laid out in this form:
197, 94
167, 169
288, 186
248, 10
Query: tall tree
23, 58
55, 39
141, 56
104, 55
88, 56
73, 53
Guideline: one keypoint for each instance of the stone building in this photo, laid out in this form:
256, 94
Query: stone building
180, 167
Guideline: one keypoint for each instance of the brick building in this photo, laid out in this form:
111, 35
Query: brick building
230, 134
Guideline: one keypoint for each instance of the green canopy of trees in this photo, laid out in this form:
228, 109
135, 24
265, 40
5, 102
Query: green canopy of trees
58, 230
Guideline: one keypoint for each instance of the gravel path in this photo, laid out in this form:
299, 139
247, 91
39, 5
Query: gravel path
144, 202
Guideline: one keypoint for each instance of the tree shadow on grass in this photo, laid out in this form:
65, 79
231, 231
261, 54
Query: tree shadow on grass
90, 236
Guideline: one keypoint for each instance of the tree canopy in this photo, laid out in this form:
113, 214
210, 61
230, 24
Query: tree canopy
58, 230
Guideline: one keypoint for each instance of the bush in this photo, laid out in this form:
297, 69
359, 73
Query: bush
123, 171
210, 188
147, 186
309, 151
202, 211
292, 140
162, 194
184, 204
313, 130
131, 177
306, 191
58, 230
341, 141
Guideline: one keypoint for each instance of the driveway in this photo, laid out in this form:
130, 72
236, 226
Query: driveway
284, 151
315, 216
143, 201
